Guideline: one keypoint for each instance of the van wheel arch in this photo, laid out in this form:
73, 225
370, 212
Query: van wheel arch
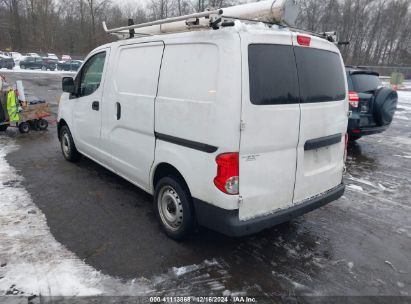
165, 169
173, 203
60, 124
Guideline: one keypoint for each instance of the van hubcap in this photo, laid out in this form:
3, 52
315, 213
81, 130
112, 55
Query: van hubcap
170, 208
65, 142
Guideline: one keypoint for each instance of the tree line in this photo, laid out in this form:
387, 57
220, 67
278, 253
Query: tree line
379, 31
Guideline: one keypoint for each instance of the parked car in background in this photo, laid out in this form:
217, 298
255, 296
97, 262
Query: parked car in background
65, 57
6, 62
49, 64
31, 63
372, 106
52, 56
70, 65
16, 57
32, 55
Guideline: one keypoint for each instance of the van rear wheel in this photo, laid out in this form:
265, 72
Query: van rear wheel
174, 208
68, 147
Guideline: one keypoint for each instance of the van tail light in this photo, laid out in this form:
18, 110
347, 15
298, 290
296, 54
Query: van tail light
346, 147
353, 99
227, 179
304, 40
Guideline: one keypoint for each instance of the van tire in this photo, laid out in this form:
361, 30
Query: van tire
68, 148
176, 217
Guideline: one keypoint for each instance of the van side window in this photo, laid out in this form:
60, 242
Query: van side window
321, 75
273, 74
91, 74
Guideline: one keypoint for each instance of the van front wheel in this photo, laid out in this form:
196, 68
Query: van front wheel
173, 208
68, 148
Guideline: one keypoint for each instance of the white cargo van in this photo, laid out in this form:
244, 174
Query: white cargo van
236, 129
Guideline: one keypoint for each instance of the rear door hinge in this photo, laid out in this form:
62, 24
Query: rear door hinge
242, 125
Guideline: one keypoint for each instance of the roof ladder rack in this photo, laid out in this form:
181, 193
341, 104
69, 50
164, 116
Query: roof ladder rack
212, 16
272, 11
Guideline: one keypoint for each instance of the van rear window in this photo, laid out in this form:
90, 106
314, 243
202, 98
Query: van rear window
321, 75
273, 74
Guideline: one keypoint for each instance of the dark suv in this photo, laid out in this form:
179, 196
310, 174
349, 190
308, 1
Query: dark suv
372, 106
69, 65
31, 63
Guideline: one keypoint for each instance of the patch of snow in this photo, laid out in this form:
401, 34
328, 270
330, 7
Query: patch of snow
362, 181
404, 97
215, 285
403, 156
228, 293
184, 270
390, 264
244, 27
402, 117
355, 187
17, 69
33, 261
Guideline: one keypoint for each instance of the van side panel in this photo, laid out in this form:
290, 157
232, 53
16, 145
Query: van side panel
197, 109
128, 128
187, 91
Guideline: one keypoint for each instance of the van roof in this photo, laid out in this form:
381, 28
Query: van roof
208, 34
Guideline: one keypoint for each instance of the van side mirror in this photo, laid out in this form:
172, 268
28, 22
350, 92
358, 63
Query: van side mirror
68, 85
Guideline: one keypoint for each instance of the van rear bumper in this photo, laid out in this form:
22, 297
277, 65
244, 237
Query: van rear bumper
228, 221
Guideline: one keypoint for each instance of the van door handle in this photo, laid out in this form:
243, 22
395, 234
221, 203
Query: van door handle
95, 105
118, 110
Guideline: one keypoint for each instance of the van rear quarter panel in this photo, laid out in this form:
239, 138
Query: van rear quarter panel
199, 99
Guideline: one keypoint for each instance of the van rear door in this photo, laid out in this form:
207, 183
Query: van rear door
270, 123
323, 123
